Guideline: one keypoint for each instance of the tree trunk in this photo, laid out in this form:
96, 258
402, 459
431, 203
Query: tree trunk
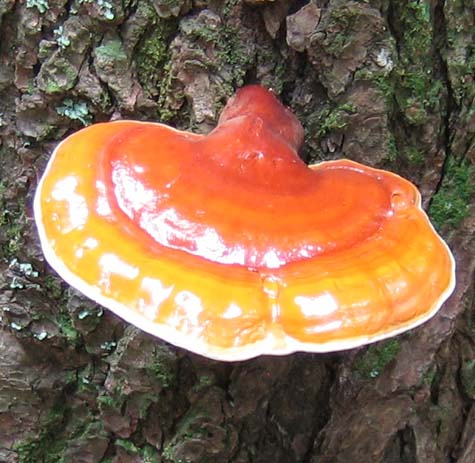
389, 83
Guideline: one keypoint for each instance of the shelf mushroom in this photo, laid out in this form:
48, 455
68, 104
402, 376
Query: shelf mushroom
229, 245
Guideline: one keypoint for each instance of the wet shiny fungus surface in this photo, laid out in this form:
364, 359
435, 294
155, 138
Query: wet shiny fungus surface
229, 245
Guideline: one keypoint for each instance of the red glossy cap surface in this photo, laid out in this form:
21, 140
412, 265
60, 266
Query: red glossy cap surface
229, 245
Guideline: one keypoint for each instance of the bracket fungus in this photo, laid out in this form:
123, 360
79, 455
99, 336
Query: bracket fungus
229, 245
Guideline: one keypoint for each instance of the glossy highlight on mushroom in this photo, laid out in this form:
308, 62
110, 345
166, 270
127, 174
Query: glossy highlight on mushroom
229, 245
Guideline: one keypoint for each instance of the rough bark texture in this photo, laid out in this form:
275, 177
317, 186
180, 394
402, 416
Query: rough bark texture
386, 82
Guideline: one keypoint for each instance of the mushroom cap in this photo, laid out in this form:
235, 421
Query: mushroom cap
229, 245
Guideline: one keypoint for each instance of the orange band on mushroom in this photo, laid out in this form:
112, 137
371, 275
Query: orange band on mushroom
229, 245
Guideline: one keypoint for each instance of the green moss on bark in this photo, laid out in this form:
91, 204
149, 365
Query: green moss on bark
335, 118
372, 363
450, 205
153, 52
47, 447
230, 50
12, 223
418, 89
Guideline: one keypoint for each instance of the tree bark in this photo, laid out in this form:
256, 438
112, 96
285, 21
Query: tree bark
389, 83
